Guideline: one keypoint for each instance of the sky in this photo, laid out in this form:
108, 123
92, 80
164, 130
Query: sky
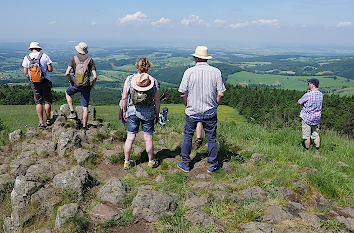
229, 23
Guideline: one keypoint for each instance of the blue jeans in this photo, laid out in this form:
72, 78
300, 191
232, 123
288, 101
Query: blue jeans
85, 94
133, 123
209, 126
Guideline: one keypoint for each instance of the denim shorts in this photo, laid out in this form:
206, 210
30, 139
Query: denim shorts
133, 124
85, 94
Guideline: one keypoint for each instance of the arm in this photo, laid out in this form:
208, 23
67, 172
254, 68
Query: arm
68, 76
94, 78
302, 100
184, 97
50, 67
157, 106
220, 97
124, 99
25, 71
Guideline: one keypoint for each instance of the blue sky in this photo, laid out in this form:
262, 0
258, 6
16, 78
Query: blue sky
246, 23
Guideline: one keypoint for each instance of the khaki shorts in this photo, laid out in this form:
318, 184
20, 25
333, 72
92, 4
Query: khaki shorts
310, 131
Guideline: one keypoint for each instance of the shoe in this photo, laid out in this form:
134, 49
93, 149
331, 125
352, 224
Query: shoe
48, 122
153, 164
128, 165
180, 166
72, 115
214, 168
84, 130
41, 126
197, 143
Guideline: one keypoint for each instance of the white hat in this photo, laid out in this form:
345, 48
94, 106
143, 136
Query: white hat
201, 52
142, 82
81, 48
34, 45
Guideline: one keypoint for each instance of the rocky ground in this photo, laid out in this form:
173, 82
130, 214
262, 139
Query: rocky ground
62, 179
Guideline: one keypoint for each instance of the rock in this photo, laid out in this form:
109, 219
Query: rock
102, 213
40, 172
151, 205
15, 135
4, 168
227, 167
311, 219
319, 201
295, 206
138, 149
254, 192
109, 154
160, 178
258, 158
140, 172
294, 230
349, 211
114, 191
258, 227
9, 226
283, 192
243, 180
198, 217
220, 195
19, 166
31, 132
46, 200
6, 184
300, 187
42, 230
196, 201
66, 212
348, 222
220, 186
45, 148
91, 112
65, 109
203, 176
82, 155
77, 179
276, 214
67, 140
201, 185
342, 164
145, 187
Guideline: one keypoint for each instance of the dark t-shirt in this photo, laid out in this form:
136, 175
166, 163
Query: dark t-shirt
82, 58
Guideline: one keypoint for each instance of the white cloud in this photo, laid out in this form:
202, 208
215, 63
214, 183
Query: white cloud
52, 22
239, 25
193, 19
163, 20
136, 17
219, 21
93, 23
262, 22
344, 24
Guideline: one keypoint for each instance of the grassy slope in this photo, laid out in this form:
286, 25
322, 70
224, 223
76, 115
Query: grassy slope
291, 82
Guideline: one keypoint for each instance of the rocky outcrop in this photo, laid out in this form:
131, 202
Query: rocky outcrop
66, 212
114, 191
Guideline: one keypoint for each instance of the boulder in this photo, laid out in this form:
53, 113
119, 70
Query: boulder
66, 212
42, 230
9, 226
311, 219
76, 179
114, 191
258, 227
151, 205
220, 195
91, 112
82, 155
102, 213
46, 200
15, 135
160, 178
6, 185
67, 141
31, 132
276, 214
283, 192
349, 211
4, 168
64, 109
195, 201
198, 217
140, 172
108, 155
20, 165
45, 148
40, 172
254, 192
348, 222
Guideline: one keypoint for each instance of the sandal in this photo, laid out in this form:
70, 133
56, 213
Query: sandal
41, 126
49, 122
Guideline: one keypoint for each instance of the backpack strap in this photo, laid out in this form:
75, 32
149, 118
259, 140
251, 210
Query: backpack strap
87, 61
76, 59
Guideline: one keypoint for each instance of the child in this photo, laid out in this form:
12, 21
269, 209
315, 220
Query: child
163, 117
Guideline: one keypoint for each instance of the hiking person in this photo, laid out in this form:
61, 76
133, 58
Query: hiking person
311, 114
141, 105
37, 66
82, 66
120, 115
163, 117
202, 90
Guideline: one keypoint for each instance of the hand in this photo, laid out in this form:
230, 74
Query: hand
92, 86
124, 116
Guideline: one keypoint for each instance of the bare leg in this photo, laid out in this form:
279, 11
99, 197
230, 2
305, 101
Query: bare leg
70, 101
307, 143
128, 145
84, 116
317, 142
199, 129
47, 108
39, 109
149, 146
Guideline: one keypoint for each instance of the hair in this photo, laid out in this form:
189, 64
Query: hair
143, 65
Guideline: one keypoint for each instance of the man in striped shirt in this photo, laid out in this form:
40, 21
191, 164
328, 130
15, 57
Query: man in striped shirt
202, 90
311, 114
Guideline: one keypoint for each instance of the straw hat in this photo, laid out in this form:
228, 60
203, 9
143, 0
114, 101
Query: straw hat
142, 82
201, 52
81, 48
34, 45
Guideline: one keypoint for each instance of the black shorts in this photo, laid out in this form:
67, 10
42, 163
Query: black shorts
42, 92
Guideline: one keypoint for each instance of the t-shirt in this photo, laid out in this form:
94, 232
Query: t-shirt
45, 60
82, 58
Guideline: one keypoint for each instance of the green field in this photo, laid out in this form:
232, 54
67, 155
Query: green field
339, 85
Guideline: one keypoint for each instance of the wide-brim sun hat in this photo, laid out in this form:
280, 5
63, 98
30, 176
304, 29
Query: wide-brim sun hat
142, 82
201, 52
81, 48
34, 45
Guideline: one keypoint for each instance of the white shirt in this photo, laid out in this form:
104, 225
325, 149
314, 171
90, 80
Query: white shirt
45, 60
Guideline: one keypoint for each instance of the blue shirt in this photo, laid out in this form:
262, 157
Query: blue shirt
312, 106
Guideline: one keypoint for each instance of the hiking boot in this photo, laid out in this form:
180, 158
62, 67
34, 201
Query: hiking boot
153, 164
72, 115
128, 165
41, 126
197, 143
183, 168
214, 168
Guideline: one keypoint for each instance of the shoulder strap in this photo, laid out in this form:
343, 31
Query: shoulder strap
87, 61
76, 59
29, 58
39, 56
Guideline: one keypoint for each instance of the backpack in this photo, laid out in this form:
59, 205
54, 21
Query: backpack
35, 73
142, 98
82, 73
